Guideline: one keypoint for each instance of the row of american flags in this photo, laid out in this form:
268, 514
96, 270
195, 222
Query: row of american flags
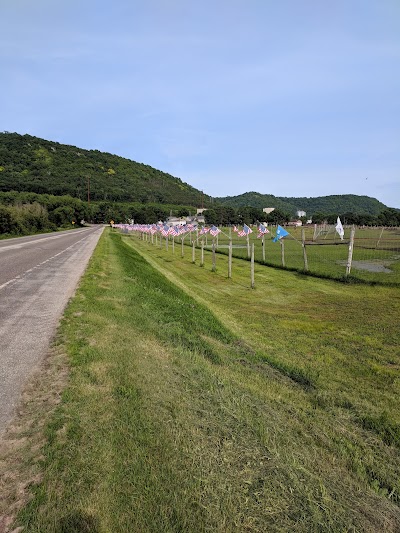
214, 231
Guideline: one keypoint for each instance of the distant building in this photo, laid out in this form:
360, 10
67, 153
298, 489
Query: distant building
295, 223
268, 210
301, 214
176, 221
182, 221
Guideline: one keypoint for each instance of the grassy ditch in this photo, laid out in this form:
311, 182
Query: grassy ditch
196, 404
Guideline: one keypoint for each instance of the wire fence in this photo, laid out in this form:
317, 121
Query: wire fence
319, 250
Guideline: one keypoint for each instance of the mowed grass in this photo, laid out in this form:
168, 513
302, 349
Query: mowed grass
197, 404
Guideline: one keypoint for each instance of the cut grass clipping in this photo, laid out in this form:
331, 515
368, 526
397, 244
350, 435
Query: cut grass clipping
183, 411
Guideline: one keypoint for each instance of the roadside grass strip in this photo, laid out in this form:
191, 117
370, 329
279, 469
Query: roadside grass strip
195, 404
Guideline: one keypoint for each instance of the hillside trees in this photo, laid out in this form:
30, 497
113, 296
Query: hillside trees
45, 167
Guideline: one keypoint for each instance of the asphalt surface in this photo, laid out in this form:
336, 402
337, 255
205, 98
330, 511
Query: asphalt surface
38, 275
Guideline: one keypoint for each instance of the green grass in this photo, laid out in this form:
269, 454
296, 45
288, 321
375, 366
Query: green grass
197, 404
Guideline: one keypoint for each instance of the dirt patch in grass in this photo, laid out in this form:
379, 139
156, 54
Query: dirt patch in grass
370, 266
21, 445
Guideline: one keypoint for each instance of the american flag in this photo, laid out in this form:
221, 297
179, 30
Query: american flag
214, 231
165, 230
262, 230
175, 231
245, 231
204, 230
235, 229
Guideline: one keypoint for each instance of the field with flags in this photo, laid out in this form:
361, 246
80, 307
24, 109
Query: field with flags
195, 403
362, 253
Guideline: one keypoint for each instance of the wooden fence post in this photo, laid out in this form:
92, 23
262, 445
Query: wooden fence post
230, 259
263, 248
202, 253
380, 236
252, 266
173, 245
282, 251
350, 254
303, 243
214, 261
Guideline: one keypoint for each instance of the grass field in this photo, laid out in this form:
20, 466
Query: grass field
196, 404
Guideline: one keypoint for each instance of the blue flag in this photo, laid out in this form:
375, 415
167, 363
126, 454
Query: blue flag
280, 233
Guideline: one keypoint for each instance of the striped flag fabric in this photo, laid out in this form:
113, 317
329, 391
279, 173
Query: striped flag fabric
245, 231
175, 231
262, 230
214, 231
204, 230
165, 230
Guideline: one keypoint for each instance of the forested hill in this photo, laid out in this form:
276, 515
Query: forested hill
36, 165
336, 204
30, 164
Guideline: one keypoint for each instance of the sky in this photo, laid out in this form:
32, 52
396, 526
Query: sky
283, 97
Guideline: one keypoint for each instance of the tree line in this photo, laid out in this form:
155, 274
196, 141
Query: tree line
23, 213
226, 215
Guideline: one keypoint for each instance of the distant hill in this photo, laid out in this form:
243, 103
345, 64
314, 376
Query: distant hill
35, 165
31, 164
335, 204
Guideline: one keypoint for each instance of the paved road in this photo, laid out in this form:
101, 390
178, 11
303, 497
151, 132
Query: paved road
38, 275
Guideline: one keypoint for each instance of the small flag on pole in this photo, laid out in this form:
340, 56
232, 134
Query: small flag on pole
204, 230
245, 231
339, 228
280, 233
214, 231
262, 230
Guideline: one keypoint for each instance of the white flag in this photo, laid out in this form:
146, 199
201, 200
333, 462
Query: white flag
339, 228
